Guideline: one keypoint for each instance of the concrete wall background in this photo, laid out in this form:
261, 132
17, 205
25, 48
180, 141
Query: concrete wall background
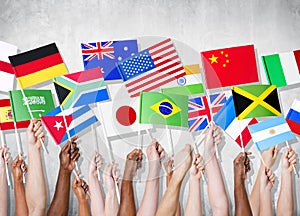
273, 26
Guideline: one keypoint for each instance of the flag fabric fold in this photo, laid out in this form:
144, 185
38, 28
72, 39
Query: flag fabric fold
81, 88
151, 68
293, 117
230, 66
40, 102
254, 101
6, 117
226, 119
78, 119
106, 55
282, 69
199, 115
158, 108
270, 133
38, 65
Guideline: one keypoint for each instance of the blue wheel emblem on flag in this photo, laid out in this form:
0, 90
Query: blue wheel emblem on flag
181, 81
165, 108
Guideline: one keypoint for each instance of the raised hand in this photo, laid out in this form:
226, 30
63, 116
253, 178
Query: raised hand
69, 155
242, 165
288, 160
96, 164
35, 133
18, 168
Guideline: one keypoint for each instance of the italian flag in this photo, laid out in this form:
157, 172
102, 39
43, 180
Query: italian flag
282, 69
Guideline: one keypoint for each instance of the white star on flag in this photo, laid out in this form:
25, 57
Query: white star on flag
58, 125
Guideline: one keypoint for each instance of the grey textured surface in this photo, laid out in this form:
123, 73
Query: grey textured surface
273, 26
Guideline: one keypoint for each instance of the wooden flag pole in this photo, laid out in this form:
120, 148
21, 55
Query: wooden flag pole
6, 167
241, 137
19, 146
31, 116
94, 132
170, 140
294, 168
108, 147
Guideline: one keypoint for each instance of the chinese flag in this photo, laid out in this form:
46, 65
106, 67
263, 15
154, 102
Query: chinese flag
229, 66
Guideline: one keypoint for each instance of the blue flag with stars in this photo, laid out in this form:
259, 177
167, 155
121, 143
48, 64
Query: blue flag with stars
106, 55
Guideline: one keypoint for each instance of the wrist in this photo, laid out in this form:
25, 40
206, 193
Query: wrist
64, 172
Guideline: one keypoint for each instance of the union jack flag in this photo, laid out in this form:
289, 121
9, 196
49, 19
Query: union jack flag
199, 113
91, 50
106, 54
217, 101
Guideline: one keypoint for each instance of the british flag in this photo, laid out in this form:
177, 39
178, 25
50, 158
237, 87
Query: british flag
106, 54
91, 50
217, 101
199, 113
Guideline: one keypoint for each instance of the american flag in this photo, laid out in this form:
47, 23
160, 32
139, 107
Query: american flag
217, 101
199, 113
91, 50
151, 68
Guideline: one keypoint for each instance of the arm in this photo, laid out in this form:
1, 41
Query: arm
4, 158
194, 204
18, 168
267, 179
97, 201
67, 157
241, 167
35, 187
127, 205
216, 188
269, 157
285, 204
110, 177
149, 204
168, 167
80, 189
170, 200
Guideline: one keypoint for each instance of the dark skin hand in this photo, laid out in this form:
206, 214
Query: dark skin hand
68, 156
241, 168
19, 169
133, 162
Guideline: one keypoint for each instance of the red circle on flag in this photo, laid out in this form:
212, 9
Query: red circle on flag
126, 115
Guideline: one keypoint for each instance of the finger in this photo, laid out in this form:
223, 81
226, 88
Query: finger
37, 126
292, 158
66, 147
74, 138
76, 157
275, 152
41, 135
30, 127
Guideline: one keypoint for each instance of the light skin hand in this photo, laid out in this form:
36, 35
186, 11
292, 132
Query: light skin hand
80, 188
197, 167
270, 156
4, 157
213, 137
288, 160
268, 179
35, 133
96, 164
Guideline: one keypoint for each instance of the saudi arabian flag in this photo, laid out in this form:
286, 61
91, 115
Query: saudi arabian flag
40, 102
282, 69
158, 108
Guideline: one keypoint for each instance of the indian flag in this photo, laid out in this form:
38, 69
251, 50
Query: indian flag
189, 84
270, 133
282, 69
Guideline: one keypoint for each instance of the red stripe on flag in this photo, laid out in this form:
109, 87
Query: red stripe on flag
10, 125
159, 44
4, 103
149, 82
37, 65
152, 53
295, 127
246, 134
85, 76
154, 86
6, 67
297, 57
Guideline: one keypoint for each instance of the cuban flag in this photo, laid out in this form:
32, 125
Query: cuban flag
293, 117
106, 54
198, 113
270, 133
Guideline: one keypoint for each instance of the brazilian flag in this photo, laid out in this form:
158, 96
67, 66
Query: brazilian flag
163, 109
254, 101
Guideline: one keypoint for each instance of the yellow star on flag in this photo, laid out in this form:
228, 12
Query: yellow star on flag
213, 59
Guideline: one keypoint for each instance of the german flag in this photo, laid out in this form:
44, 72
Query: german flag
38, 65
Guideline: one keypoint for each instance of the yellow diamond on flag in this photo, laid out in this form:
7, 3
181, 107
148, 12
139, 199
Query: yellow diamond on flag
165, 108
